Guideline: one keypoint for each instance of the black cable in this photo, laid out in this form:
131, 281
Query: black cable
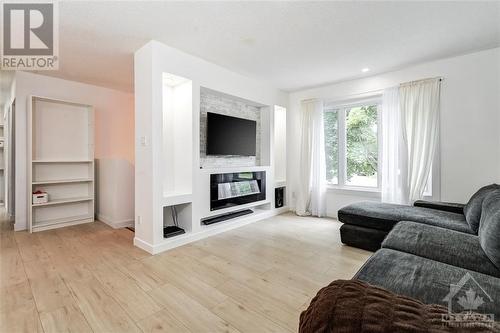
174, 216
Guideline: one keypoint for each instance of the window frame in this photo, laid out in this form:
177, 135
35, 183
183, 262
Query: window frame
433, 192
342, 107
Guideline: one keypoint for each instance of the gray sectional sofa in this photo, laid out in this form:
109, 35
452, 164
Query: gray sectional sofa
428, 247
366, 224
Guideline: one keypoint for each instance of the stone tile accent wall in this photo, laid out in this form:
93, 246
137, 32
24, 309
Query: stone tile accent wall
212, 102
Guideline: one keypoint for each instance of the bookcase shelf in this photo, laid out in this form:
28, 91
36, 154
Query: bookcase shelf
63, 201
62, 222
61, 153
62, 161
63, 181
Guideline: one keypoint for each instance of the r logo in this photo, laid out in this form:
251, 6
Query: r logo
28, 29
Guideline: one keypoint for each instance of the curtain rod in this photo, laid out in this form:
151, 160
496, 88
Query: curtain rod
375, 91
422, 80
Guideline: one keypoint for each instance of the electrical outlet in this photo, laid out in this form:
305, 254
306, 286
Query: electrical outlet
138, 219
144, 141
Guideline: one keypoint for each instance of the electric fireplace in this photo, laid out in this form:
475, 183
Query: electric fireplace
233, 189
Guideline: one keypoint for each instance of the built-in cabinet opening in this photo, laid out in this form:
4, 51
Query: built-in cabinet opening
177, 220
279, 150
177, 157
177, 136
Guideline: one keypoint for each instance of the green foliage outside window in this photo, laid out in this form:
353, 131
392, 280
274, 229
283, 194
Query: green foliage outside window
361, 142
362, 147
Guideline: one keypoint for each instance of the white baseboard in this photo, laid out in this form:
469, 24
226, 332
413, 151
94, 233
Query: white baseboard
282, 210
144, 245
115, 224
19, 227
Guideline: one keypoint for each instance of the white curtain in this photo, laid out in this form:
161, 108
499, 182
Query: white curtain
394, 155
311, 183
419, 103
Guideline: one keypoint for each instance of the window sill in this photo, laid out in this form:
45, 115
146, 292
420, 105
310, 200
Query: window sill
354, 190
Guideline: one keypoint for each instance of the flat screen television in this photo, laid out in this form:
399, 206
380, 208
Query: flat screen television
230, 135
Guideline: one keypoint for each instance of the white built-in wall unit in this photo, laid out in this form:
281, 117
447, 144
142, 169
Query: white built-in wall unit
61, 162
173, 92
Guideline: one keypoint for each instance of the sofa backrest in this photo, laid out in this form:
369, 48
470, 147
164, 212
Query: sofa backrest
489, 227
472, 209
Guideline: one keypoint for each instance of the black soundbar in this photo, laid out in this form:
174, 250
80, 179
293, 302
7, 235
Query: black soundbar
225, 217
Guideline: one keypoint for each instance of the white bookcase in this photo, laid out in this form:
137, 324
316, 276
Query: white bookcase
61, 162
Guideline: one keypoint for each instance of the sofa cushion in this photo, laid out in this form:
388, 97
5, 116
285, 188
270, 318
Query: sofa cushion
451, 207
444, 245
429, 280
472, 209
354, 306
489, 228
384, 216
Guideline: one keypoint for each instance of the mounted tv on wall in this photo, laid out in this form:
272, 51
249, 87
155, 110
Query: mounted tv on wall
230, 135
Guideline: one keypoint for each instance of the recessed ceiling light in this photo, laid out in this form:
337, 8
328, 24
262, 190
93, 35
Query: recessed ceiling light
366, 69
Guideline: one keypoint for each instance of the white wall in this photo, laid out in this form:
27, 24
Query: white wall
470, 118
115, 192
7, 99
7, 79
114, 140
151, 61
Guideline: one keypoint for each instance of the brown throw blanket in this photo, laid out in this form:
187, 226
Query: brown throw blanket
354, 306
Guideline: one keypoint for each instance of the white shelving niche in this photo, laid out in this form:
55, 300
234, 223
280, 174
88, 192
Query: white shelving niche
177, 158
61, 160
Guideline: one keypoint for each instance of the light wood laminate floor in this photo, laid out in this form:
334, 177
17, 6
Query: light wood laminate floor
90, 278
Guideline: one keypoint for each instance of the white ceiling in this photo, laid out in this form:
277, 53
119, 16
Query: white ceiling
292, 45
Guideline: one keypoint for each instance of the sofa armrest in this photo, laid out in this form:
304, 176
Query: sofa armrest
444, 206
